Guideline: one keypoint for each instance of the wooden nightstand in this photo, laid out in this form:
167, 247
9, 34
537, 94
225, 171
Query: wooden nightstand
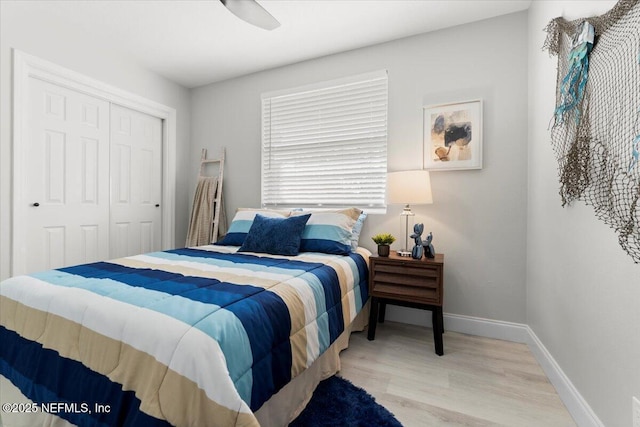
408, 282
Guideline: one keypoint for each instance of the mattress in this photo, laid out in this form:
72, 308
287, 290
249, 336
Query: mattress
196, 336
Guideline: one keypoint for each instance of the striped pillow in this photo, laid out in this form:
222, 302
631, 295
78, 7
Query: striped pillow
241, 224
329, 231
357, 229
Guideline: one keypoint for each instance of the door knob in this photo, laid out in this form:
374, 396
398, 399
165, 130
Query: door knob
157, 205
36, 204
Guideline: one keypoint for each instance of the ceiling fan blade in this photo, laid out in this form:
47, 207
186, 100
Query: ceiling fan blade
251, 12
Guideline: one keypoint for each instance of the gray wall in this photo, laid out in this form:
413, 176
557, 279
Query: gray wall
583, 290
25, 27
478, 217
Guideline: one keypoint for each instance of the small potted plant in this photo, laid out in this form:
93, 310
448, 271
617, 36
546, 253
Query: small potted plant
383, 240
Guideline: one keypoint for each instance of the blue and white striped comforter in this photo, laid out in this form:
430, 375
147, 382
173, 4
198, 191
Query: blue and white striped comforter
197, 336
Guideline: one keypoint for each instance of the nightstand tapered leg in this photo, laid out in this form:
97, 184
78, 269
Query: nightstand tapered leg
434, 314
382, 312
438, 328
373, 319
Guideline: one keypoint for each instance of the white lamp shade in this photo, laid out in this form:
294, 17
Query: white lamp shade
409, 188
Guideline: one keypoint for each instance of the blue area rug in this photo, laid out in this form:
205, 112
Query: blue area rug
337, 402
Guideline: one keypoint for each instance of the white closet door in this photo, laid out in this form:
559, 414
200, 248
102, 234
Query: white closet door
67, 182
136, 182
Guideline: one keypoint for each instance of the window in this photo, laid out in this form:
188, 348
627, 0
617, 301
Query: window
325, 145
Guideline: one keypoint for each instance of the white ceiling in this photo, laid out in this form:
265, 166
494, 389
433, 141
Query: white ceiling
198, 42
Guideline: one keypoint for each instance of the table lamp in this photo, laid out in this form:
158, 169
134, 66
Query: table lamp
408, 188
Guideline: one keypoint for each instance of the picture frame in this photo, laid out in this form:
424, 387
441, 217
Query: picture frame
452, 136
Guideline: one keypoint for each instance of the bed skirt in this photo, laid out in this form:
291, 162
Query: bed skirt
279, 411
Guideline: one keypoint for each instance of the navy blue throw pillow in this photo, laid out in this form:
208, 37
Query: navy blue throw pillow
276, 236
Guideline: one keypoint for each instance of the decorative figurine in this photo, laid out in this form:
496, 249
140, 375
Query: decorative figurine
429, 250
416, 252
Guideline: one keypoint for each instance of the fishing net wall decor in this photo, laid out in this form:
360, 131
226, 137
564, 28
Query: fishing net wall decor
596, 124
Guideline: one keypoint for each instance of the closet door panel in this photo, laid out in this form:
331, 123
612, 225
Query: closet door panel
90, 178
67, 184
136, 170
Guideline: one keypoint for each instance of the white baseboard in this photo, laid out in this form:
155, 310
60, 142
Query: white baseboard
579, 409
508, 331
515, 332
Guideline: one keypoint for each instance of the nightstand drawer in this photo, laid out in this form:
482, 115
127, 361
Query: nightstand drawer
407, 293
406, 275
407, 279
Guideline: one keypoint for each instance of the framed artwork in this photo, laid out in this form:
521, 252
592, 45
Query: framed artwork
452, 138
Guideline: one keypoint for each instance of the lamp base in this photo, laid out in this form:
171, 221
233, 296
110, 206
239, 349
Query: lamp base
404, 253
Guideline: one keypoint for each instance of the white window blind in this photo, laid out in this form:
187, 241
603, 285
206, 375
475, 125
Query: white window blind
325, 145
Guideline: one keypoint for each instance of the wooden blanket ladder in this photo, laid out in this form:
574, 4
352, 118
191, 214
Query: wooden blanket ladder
218, 199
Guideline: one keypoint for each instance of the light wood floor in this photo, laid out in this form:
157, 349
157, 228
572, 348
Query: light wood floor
478, 381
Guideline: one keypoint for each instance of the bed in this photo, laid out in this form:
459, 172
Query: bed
195, 336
